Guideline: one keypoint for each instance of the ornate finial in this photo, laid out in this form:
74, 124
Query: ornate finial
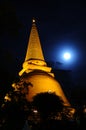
33, 20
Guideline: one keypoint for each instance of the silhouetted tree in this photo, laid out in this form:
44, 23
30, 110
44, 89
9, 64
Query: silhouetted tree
14, 109
47, 104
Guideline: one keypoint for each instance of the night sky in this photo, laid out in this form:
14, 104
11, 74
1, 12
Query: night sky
61, 26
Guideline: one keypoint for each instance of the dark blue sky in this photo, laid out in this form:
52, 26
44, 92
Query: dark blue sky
61, 25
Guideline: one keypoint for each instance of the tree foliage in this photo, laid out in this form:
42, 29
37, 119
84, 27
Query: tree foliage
47, 104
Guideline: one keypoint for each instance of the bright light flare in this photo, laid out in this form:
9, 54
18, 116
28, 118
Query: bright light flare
67, 56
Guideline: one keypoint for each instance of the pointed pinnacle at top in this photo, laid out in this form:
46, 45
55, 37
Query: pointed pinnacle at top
33, 20
34, 49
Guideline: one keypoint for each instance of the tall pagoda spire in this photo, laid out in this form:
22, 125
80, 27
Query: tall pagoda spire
34, 50
34, 56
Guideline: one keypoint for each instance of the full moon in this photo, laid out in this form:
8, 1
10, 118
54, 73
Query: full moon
67, 56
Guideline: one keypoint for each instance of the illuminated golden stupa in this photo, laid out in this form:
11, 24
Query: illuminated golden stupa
36, 71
